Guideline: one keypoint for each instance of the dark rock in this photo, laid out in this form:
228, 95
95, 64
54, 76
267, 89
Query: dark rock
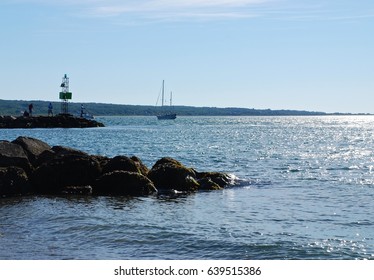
167, 160
206, 184
13, 181
103, 160
142, 168
63, 151
221, 179
63, 170
44, 157
121, 163
58, 152
13, 155
32, 147
123, 183
168, 173
66, 170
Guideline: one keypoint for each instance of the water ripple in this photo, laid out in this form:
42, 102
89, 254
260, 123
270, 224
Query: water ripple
304, 191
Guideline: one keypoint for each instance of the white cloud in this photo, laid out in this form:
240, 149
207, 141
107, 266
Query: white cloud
187, 10
204, 3
182, 9
161, 9
148, 3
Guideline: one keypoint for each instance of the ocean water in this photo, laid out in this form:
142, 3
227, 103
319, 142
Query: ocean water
306, 192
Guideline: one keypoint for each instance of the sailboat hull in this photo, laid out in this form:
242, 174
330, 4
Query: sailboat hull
167, 117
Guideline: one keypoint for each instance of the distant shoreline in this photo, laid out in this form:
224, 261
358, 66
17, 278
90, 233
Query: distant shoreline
15, 107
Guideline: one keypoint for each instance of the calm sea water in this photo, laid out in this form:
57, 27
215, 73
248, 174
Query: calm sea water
307, 192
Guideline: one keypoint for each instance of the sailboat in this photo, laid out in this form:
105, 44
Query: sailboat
166, 115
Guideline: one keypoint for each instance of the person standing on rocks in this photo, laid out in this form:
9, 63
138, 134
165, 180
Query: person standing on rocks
30, 109
50, 109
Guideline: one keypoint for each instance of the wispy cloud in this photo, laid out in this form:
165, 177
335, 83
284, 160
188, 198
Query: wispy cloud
187, 10
172, 10
158, 9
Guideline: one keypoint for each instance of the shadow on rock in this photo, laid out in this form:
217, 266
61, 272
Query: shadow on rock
123, 183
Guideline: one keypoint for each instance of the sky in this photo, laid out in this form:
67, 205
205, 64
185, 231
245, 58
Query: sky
313, 55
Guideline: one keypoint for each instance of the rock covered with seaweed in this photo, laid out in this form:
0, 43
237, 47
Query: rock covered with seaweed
31, 166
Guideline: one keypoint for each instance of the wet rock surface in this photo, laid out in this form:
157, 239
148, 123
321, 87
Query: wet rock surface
168, 173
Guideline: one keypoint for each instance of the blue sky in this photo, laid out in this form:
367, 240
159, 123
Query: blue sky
278, 54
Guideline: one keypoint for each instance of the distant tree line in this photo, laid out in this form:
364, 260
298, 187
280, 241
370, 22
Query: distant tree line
17, 107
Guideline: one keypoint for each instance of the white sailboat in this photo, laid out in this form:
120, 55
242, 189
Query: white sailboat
166, 115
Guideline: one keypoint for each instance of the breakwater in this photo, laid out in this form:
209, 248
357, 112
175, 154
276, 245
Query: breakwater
58, 121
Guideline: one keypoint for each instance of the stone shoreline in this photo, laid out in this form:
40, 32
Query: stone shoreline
29, 166
58, 121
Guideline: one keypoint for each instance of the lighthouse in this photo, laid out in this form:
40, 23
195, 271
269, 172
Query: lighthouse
65, 95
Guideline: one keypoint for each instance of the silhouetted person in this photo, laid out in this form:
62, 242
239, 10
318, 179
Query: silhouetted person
30, 109
50, 109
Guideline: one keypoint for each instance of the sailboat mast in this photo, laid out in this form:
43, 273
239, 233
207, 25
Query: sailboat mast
163, 87
171, 98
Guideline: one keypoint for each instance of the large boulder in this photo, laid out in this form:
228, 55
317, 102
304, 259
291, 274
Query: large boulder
123, 183
67, 170
103, 160
121, 163
13, 181
141, 166
218, 178
168, 173
59, 152
64, 151
44, 157
13, 155
32, 147
207, 184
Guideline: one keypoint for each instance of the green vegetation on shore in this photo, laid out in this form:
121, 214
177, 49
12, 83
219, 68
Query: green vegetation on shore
16, 107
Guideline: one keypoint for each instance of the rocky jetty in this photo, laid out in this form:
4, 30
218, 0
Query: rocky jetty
62, 121
29, 166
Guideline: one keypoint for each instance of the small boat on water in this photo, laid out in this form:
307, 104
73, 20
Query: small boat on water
166, 115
